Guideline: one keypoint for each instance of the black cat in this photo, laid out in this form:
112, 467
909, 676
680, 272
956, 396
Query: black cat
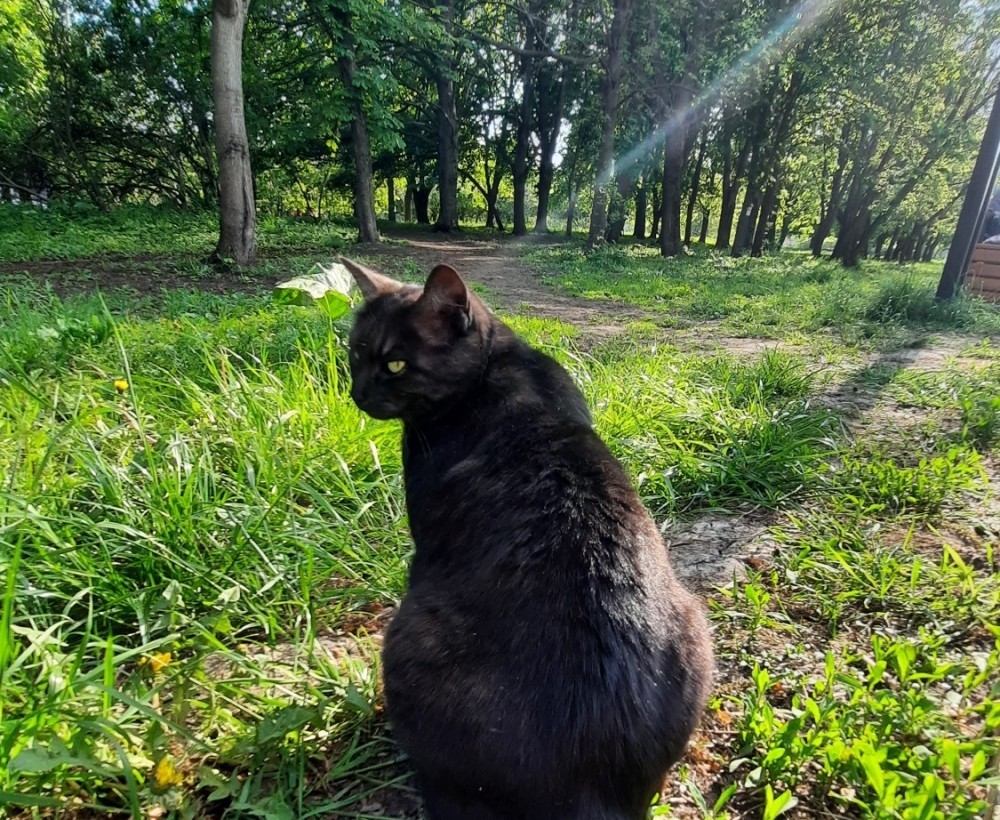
545, 664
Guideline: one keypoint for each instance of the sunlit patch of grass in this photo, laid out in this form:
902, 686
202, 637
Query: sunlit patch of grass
82, 231
769, 297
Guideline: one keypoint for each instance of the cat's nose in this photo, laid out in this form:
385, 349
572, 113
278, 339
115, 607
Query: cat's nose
359, 392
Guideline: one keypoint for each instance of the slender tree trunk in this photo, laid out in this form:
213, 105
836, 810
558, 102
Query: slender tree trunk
408, 201
733, 173
522, 139
654, 230
609, 99
447, 117
639, 230
546, 173
522, 147
747, 220
618, 207
390, 185
706, 217
548, 118
238, 215
829, 218
764, 235
695, 188
571, 195
670, 202
361, 149
879, 244
422, 204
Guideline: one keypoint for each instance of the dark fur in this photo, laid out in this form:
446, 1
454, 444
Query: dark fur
545, 663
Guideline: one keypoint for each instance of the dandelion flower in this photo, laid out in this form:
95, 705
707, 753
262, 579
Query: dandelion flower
121, 385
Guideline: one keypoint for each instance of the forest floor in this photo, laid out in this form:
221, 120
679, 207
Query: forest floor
819, 445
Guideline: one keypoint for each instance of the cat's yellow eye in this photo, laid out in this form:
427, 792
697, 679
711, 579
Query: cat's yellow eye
396, 367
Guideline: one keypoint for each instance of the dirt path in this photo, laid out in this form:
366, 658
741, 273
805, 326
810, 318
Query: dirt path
495, 264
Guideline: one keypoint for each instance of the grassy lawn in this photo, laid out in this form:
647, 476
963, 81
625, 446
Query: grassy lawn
201, 538
786, 296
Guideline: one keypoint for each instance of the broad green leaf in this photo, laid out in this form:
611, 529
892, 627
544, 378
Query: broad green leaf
328, 289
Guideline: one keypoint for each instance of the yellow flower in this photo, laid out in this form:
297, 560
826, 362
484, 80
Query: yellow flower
156, 661
121, 385
165, 775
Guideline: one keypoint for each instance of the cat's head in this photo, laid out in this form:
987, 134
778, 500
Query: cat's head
415, 351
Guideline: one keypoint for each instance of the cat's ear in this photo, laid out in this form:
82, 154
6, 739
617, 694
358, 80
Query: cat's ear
371, 283
445, 287
446, 299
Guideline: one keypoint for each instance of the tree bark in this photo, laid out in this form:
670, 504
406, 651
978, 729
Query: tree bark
764, 235
695, 188
237, 209
447, 117
654, 229
641, 195
421, 204
675, 157
525, 119
571, 195
390, 185
829, 215
705, 219
548, 118
732, 173
609, 99
361, 149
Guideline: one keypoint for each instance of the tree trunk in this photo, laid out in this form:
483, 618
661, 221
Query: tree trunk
546, 173
852, 241
390, 185
447, 117
706, 216
422, 204
641, 195
670, 202
695, 188
731, 176
654, 230
829, 217
571, 194
522, 138
764, 235
237, 210
548, 119
361, 149
408, 201
747, 220
890, 249
609, 100
522, 147
618, 208
879, 244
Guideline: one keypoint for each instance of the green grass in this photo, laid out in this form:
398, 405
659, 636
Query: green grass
70, 232
199, 534
772, 297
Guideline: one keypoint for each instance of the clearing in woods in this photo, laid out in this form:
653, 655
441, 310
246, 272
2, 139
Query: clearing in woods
203, 540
